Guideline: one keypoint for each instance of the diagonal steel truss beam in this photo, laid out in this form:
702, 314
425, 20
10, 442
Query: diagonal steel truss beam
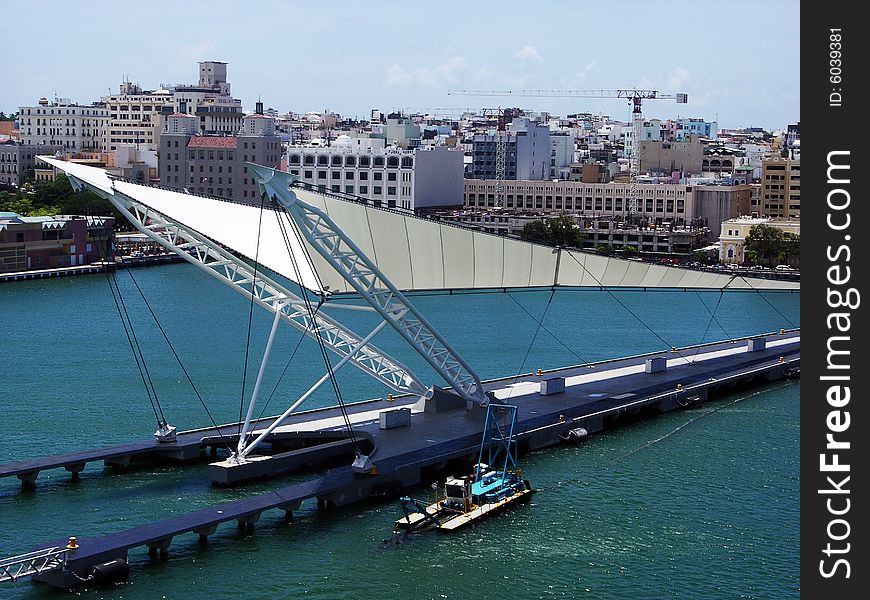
198, 250
373, 286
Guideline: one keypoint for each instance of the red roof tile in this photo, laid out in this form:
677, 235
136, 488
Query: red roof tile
211, 142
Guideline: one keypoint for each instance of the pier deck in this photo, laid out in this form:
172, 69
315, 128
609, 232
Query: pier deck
595, 397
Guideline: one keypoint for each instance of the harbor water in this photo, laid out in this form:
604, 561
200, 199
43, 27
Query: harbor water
700, 503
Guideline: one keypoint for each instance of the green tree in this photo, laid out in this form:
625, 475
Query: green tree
629, 251
604, 249
560, 231
535, 231
766, 243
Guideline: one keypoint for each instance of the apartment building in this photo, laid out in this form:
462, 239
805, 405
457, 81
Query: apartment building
425, 177
63, 123
17, 161
214, 165
781, 187
209, 100
136, 117
527, 152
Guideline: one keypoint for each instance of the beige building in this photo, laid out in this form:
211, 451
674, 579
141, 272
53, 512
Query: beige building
136, 117
664, 157
694, 205
781, 187
732, 237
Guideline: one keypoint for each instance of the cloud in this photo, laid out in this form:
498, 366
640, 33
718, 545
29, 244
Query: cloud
439, 75
529, 53
198, 51
677, 77
582, 75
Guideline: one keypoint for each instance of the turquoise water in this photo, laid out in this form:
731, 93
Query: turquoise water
710, 511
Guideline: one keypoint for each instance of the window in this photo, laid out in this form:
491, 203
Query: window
348, 175
336, 161
364, 176
308, 174
336, 175
393, 161
321, 174
336, 188
363, 189
378, 190
391, 176
391, 190
379, 161
365, 161
348, 189
379, 176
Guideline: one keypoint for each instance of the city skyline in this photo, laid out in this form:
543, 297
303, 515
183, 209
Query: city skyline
737, 68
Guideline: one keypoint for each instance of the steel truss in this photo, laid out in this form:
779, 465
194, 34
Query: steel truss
321, 232
32, 563
198, 250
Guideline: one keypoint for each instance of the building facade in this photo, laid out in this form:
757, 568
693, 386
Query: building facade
33, 243
425, 177
658, 203
527, 152
781, 187
210, 101
62, 123
696, 127
215, 165
18, 161
732, 236
665, 157
136, 117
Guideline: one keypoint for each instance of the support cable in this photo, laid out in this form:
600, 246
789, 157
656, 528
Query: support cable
531, 345
544, 327
130, 334
641, 321
312, 312
177, 357
251, 315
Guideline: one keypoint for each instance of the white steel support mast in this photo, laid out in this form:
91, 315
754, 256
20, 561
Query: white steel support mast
210, 257
321, 232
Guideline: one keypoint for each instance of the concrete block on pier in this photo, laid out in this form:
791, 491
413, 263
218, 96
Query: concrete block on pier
552, 385
656, 364
756, 344
392, 419
440, 400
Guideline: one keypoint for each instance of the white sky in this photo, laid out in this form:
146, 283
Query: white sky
737, 60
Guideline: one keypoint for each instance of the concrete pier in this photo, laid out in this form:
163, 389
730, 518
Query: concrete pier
595, 397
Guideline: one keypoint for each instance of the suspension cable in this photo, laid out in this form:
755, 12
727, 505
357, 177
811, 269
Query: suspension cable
312, 313
130, 334
641, 321
251, 314
531, 344
544, 327
177, 357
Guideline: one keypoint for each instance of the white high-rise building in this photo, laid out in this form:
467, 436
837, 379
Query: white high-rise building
75, 127
388, 177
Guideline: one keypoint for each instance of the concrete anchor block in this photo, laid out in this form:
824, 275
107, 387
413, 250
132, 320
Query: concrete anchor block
656, 365
756, 344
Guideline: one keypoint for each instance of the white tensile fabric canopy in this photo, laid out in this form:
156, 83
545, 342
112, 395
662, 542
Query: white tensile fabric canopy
415, 253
